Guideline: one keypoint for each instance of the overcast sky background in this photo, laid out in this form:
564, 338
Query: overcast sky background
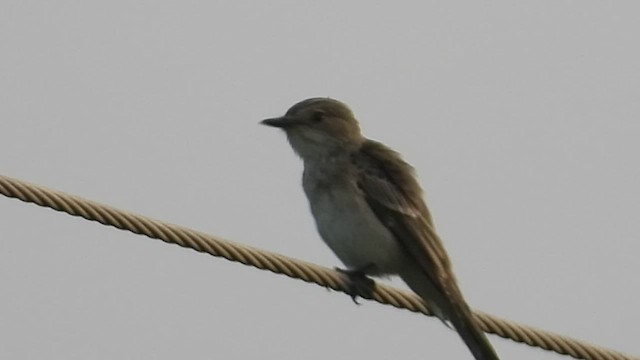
522, 119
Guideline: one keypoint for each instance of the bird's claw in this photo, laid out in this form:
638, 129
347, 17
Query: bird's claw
359, 284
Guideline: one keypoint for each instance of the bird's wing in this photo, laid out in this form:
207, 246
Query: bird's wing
393, 194
391, 190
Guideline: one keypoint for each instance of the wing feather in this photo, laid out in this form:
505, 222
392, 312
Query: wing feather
393, 193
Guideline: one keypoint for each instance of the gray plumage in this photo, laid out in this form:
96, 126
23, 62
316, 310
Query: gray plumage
369, 210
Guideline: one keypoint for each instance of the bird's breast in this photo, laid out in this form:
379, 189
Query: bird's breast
350, 228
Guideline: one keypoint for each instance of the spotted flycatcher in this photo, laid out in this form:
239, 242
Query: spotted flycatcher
369, 210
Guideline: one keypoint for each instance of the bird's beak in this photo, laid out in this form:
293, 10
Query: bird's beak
280, 122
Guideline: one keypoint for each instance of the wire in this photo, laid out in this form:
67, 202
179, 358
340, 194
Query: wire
281, 264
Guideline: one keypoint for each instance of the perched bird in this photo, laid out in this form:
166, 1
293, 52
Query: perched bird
368, 208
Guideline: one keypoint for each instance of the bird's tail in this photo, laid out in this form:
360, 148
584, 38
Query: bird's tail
469, 330
451, 307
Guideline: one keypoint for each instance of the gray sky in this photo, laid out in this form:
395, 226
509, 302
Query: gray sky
520, 117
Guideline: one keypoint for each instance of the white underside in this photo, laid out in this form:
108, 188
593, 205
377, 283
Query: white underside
351, 229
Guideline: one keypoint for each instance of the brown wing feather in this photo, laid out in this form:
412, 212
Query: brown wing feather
391, 190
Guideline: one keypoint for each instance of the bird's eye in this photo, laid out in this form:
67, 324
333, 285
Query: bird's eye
318, 116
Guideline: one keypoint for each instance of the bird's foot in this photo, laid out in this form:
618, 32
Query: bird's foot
359, 284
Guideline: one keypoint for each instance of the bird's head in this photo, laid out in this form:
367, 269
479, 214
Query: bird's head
319, 127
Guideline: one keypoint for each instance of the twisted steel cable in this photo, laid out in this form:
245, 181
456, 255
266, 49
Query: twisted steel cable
281, 264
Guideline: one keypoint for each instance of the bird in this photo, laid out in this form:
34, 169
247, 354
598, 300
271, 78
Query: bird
369, 209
